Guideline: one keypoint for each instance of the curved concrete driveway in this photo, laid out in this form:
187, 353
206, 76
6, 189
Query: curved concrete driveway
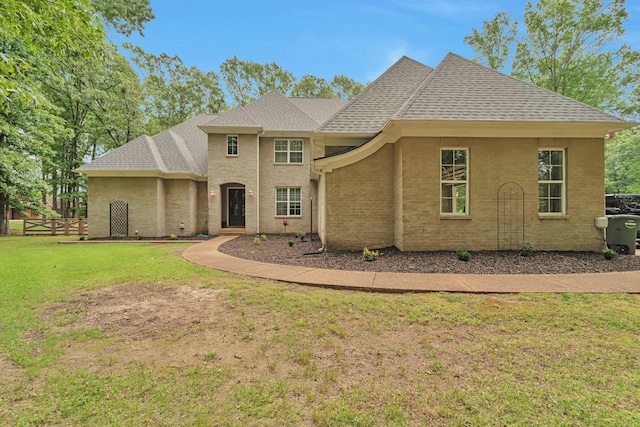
207, 254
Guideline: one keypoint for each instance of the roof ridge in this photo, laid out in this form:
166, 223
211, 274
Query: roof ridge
184, 151
415, 94
533, 85
371, 85
153, 148
300, 109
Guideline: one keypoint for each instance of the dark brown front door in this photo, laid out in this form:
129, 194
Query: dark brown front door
236, 207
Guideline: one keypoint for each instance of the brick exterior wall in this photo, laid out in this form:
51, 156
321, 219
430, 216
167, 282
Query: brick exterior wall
360, 203
231, 171
156, 206
274, 175
362, 209
240, 171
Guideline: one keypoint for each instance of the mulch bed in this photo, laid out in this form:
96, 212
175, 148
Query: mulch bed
275, 250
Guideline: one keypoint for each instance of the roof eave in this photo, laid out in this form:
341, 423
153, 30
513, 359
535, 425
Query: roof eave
149, 173
231, 129
505, 128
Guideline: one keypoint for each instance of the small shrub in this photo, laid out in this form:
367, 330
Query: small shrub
256, 241
609, 253
117, 236
525, 249
82, 237
290, 242
368, 255
463, 255
173, 237
263, 236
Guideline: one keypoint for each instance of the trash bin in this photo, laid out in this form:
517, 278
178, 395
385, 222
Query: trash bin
621, 233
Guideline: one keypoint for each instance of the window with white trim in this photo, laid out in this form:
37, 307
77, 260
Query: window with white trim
454, 197
232, 145
288, 201
288, 151
551, 177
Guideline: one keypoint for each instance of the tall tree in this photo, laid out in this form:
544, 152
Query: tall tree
494, 42
312, 86
34, 36
622, 163
173, 91
248, 80
572, 47
99, 102
345, 87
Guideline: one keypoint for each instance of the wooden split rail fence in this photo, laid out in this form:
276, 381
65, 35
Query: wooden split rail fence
54, 227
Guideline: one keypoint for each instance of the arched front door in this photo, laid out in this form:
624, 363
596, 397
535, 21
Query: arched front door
235, 207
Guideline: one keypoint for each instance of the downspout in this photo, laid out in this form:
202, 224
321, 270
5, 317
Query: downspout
258, 181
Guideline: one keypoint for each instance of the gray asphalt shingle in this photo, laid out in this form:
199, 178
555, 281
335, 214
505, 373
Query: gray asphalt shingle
375, 105
459, 89
180, 149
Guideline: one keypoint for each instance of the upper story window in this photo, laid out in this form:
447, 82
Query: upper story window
551, 180
454, 197
288, 151
232, 145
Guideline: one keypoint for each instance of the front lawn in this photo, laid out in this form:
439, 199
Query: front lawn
132, 334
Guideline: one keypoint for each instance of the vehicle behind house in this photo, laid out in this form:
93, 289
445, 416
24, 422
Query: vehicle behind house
621, 204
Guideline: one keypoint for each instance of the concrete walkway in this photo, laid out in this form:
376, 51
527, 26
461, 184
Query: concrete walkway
207, 254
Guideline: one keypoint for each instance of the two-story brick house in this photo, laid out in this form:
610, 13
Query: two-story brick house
456, 157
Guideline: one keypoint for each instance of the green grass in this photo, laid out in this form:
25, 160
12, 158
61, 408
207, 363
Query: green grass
278, 354
16, 224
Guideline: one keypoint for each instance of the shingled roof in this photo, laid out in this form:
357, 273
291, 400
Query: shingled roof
458, 89
275, 112
180, 149
378, 102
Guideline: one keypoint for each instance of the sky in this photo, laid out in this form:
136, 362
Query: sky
357, 38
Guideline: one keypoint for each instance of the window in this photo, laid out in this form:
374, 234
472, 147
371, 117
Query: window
551, 181
288, 202
232, 145
288, 150
453, 180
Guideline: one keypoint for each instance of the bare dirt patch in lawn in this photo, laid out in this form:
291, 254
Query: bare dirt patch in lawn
178, 326
163, 325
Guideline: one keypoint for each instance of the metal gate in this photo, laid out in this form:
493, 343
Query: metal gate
119, 218
510, 201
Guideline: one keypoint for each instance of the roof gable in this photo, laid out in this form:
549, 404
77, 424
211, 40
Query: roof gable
180, 149
460, 89
376, 104
276, 112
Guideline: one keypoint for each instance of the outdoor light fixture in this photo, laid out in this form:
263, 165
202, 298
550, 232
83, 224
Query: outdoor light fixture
250, 193
212, 193
182, 226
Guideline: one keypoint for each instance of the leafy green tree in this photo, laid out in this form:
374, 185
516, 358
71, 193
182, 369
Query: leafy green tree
39, 41
622, 163
572, 47
125, 16
345, 87
99, 102
173, 91
495, 41
314, 87
247, 80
